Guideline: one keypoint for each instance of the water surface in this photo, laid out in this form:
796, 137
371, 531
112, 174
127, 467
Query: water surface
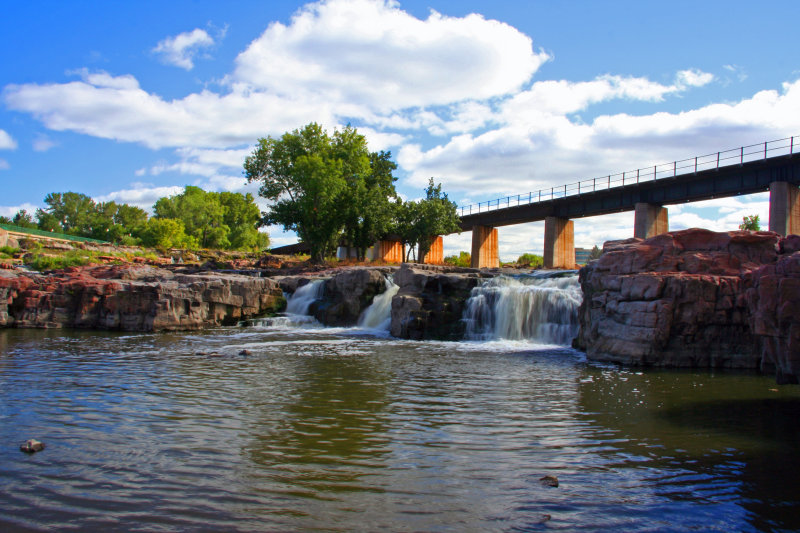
339, 430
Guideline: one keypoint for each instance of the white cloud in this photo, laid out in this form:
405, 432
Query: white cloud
182, 49
6, 141
372, 52
11, 210
117, 108
532, 148
693, 78
143, 195
43, 143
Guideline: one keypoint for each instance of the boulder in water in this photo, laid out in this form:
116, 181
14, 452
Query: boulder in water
32, 446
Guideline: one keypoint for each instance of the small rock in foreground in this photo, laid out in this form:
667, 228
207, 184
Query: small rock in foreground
31, 446
549, 481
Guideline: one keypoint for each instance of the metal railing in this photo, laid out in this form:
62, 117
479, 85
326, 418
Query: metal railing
734, 156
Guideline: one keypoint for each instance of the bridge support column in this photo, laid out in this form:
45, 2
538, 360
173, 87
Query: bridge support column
435, 254
784, 208
559, 243
650, 220
484, 247
390, 251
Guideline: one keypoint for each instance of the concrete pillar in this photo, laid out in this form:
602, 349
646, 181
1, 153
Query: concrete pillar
559, 243
650, 220
389, 251
484, 247
435, 255
784, 208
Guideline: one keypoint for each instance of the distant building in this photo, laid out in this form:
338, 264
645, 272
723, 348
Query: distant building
582, 255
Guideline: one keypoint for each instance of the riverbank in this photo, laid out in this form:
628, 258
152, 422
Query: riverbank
691, 298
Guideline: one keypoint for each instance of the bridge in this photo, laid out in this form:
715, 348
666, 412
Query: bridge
771, 166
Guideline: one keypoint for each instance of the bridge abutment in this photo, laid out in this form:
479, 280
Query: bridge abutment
784, 208
649, 220
435, 254
484, 247
559, 243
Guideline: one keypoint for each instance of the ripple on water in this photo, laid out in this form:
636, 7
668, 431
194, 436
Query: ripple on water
339, 430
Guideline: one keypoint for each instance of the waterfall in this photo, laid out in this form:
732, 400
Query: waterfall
541, 307
299, 302
379, 313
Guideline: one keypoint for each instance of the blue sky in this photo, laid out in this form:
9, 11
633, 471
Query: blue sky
131, 101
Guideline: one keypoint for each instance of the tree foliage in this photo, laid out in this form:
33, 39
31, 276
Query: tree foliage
324, 187
419, 222
751, 223
198, 218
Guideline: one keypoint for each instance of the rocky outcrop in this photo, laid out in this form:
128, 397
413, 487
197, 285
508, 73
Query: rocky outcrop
695, 298
348, 293
431, 299
133, 298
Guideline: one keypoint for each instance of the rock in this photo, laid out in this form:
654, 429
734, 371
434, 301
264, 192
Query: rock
431, 299
32, 446
347, 294
549, 481
133, 298
695, 298
245, 352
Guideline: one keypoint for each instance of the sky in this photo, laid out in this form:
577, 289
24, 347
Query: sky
132, 101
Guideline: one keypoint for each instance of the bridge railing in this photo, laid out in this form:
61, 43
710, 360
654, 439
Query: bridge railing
734, 156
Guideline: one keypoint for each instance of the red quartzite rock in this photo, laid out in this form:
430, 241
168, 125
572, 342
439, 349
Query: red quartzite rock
132, 298
695, 298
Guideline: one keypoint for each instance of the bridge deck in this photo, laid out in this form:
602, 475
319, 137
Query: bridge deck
746, 178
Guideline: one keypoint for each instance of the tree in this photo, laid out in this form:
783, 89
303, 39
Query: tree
369, 213
418, 223
751, 223
166, 233
73, 212
23, 219
243, 218
307, 174
200, 212
595, 253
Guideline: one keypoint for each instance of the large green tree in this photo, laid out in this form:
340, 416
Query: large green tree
72, 211
369, 209
200, 212
312, 179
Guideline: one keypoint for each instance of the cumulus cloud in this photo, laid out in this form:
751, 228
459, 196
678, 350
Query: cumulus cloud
118, 108
181, 49
6, 141
536, 147
370, 51
143, 195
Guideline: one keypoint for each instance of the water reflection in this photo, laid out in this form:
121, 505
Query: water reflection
728, 441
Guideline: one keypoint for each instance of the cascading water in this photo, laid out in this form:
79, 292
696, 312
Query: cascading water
542, 307
378, 314
299, 302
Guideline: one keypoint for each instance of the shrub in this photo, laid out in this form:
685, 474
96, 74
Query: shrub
530, 260
463, 259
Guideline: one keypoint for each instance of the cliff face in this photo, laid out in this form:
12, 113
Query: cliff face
430, 302
695, 298
133, 298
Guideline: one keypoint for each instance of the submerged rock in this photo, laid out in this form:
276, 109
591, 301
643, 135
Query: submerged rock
549, 481
32, 446
695, 298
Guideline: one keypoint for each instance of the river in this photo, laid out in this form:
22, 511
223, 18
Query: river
351, 430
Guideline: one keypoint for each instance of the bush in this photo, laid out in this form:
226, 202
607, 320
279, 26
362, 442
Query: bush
463, 259
530, 260
52, 262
